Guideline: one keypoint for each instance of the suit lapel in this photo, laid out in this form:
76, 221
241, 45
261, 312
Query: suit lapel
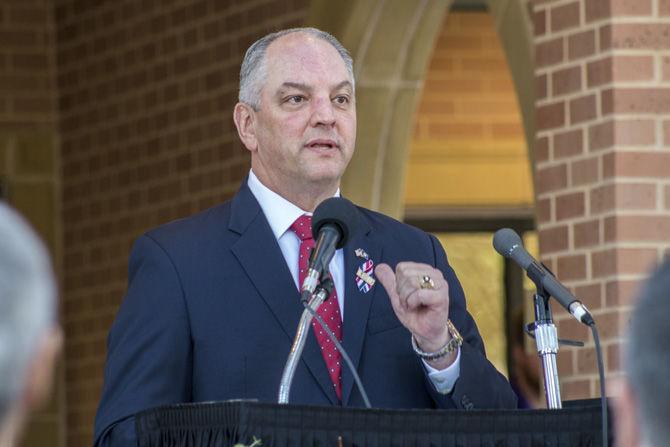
356, 302
260, 256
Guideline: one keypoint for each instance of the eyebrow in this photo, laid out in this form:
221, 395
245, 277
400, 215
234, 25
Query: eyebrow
306, 88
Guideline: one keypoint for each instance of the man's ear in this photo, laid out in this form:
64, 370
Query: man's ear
39, 379
245, 121
626, 414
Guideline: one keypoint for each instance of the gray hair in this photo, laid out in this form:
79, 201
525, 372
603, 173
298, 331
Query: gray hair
27, 302
647, 357
254, 69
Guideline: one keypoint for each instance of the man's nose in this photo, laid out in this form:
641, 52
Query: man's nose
323, 113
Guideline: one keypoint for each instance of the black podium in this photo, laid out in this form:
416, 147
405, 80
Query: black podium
262, 424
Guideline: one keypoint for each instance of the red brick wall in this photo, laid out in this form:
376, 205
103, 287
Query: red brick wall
602, 162
27, 65
468, 111
146, 97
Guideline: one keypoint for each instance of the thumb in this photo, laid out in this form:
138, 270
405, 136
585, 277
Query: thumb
386, 276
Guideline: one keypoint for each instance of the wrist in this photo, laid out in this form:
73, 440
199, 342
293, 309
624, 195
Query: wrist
434, 344
447, 346
443, 362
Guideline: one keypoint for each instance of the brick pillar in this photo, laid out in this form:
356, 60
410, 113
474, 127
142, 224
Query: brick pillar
602, 171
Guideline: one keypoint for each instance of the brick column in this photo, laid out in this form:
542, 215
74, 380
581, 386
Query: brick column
602, 171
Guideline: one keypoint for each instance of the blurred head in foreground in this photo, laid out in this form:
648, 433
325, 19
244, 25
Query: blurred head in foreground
30, 337
643, 406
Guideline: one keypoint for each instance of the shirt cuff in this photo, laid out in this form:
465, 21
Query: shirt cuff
444, 380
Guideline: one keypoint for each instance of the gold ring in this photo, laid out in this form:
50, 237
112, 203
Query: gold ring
425, 282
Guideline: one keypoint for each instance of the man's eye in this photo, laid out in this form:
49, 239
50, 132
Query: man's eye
341, 99
296, 99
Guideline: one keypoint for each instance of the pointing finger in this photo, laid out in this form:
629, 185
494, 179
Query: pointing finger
387, 277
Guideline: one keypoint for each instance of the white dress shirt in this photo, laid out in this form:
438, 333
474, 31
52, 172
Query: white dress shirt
281, 214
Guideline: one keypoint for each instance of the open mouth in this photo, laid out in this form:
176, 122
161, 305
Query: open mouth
322, 144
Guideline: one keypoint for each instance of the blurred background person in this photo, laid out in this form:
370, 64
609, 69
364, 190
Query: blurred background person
30, 337
643, 404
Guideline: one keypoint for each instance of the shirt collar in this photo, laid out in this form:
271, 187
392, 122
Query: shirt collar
279, 212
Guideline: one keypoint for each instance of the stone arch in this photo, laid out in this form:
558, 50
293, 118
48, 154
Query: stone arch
392, 42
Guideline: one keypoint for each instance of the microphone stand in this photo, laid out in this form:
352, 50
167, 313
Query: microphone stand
546, 340
322, 292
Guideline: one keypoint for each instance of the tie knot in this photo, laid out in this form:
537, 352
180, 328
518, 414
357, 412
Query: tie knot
302, 227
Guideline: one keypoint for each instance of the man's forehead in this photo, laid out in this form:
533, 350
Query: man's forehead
301, 50
296, 41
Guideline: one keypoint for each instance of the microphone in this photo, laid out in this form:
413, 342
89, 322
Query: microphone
508, 243
334, 220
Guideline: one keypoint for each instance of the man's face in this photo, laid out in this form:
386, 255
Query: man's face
306, 123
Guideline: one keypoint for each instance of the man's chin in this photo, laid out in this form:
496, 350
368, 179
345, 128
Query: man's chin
326, 170
325, 176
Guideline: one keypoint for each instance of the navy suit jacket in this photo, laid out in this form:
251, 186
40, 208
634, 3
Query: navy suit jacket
211, 311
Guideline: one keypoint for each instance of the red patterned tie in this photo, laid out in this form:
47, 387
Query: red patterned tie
329, 310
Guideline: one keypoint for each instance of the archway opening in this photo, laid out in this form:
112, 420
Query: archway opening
469, 173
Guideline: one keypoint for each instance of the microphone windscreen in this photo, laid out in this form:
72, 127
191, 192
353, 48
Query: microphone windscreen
509, 244
505, 240
339, 213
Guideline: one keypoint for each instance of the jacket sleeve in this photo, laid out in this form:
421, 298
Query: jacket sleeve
149, 349
479, 384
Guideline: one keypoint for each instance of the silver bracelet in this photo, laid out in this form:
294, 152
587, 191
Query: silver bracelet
451, 346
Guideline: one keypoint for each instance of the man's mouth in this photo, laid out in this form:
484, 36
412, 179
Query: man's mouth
322, 144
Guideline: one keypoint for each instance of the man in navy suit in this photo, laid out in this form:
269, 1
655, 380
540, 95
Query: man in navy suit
213, 303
